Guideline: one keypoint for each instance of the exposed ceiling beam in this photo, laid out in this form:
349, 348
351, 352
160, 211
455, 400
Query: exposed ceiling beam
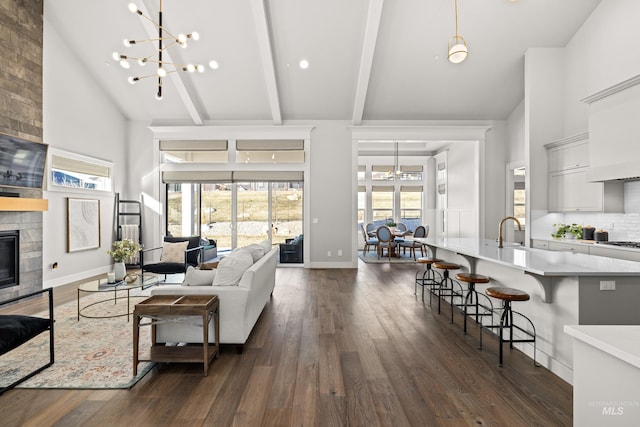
366, 61
266, 54
176, 78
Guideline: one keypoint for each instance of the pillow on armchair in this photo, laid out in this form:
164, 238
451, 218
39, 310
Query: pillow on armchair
192, 242
173, 252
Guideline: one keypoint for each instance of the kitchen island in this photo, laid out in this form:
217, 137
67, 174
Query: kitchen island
565, 289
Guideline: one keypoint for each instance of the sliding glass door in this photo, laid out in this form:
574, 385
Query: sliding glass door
216, 214
286, 210
236, 214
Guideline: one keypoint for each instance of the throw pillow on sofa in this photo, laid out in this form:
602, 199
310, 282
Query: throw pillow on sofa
266, 245
196, 277
232, 267
257, 251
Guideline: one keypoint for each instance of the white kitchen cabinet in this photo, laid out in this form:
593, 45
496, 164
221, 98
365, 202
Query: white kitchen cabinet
571, 247
540, 244
614, 253
569, 190
569, 153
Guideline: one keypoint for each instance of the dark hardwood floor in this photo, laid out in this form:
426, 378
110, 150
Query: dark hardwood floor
334, 347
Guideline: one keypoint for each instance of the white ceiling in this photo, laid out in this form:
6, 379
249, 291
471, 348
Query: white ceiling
369, 59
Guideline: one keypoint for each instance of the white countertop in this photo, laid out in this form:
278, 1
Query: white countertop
537, 261
620, 341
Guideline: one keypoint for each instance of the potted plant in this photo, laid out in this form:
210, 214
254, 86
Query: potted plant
567, 231
121, 251
392, 226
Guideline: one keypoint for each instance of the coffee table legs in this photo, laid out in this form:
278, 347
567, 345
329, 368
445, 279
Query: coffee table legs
136, 338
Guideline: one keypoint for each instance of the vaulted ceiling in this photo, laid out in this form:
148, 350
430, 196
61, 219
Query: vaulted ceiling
368, 59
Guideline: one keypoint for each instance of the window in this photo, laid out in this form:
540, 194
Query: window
75, 171
411, 206
382, 203
362, 204
519, 198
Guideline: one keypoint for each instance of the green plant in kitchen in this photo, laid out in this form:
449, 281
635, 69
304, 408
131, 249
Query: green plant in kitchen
562, 230
391, 224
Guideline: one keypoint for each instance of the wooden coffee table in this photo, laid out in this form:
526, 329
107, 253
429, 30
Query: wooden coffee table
177, 308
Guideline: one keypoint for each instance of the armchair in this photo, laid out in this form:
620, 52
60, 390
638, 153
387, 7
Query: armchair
16, 330
291, 250
170, 262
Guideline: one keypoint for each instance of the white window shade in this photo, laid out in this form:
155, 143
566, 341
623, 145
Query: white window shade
194, 145
382, 168
79, 166
382, 188
406, 168
175, 177
267, 176
411, 189
269, 145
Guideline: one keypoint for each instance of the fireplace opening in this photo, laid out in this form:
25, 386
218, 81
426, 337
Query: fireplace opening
9, 258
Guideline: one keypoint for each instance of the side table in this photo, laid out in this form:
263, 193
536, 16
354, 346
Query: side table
177, 308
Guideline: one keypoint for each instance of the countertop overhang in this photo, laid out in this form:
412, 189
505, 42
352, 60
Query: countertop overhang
540, 264
537, 261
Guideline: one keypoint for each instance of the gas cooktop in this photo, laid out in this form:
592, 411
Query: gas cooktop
635, 245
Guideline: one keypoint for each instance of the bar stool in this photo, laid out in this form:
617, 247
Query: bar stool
446, 281
506, 319
472, 298
427, 277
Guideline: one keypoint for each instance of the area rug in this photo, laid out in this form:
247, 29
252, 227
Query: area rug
89, 353
372, 258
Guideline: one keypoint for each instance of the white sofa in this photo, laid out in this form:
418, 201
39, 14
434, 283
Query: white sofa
240, 305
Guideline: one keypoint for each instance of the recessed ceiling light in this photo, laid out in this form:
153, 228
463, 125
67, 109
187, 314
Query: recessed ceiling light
214, 64
304, 64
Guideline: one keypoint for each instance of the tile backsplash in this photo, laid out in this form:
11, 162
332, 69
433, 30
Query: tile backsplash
620, 226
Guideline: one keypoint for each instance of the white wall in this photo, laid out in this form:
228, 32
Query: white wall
461, 176
515, 135
78, 117
331, 199
495, 158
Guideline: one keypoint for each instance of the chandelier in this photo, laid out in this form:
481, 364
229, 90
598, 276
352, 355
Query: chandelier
395, 172
164, 41
457, 46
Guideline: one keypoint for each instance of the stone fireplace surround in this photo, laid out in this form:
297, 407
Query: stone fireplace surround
30, 226
21, 115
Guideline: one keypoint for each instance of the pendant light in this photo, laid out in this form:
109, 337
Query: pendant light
457, 46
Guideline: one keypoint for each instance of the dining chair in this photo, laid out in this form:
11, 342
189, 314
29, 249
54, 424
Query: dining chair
371, 230
419, 232
385, 240
368, 241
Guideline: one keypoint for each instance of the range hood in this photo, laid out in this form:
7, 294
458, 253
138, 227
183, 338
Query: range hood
614, 132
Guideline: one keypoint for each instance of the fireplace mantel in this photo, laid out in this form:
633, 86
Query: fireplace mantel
23, 204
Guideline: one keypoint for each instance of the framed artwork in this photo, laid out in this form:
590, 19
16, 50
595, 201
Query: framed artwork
83, 224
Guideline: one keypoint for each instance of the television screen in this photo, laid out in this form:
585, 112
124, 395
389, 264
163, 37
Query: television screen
22, 163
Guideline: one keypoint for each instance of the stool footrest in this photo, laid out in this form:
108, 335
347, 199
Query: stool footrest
507, 324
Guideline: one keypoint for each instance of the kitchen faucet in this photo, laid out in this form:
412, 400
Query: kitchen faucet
500, 228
